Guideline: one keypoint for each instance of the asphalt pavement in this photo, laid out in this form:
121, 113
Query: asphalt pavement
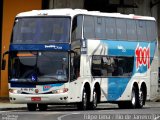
6, 105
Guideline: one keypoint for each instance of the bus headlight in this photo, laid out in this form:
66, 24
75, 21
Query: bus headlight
63, 90
15, 91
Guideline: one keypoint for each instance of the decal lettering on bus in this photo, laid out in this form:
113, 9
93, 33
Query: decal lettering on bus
142, 56
47, 86
54, 47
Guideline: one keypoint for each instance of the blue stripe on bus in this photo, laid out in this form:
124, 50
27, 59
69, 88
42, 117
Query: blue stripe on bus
125, 48
22, 85
24, 47
49, 86
116, 87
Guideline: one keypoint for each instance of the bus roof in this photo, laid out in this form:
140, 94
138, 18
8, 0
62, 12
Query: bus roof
73, 12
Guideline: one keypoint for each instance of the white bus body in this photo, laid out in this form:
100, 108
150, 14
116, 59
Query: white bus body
109, 59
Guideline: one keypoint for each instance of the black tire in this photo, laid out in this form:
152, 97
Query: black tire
134, 98
42, 107
85, 101
141, 98
133, 103
94, 102
31, 107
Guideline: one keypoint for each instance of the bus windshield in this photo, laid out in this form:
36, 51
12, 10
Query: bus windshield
39, 66
41, 30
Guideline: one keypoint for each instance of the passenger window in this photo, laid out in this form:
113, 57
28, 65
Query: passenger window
99, 28
131, 30
121, 29
77, 28
141, 30
75, 66
108, 66
89, 27
110, 28
151, 30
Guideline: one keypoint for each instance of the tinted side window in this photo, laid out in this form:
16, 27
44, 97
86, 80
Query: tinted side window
75, 66
131, 30
151, 30
89, 27
77, 28
112, 66
99, 27
141, 30
110, 28
121, 29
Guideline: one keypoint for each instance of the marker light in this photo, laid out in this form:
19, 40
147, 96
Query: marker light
15, 91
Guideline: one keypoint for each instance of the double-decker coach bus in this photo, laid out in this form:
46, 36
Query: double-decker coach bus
63, 56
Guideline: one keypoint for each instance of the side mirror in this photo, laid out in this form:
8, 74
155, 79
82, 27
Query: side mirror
3, 64
4, 61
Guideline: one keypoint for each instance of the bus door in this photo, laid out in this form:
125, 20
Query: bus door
74, 85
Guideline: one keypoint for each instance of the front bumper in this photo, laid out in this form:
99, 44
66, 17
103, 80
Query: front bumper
39, 98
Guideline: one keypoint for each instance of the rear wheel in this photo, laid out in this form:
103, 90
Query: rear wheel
134, 98
42, 107
133, 103
141, 99
93, 104
84, 104
31, 107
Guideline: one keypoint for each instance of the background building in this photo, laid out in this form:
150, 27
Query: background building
9, 9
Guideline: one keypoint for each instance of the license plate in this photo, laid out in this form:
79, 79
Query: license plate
35, 98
